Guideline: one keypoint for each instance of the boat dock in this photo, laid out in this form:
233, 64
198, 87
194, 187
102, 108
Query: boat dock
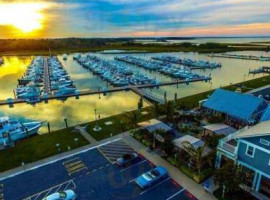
116, 89
46, 77
242, 57
148, 96
261, 70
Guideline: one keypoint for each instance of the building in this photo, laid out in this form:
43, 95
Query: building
187, 158
237, 109
217, 129
250, 148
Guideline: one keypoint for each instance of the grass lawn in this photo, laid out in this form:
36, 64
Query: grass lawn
120, 123
39, 147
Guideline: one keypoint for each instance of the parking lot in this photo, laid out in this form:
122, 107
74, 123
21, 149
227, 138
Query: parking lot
92, 174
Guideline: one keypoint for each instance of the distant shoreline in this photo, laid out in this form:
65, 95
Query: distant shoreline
75, 45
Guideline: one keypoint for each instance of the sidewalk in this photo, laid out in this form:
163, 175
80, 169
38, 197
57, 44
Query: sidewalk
85, 134
196, 189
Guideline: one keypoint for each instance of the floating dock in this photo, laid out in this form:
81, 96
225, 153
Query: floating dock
242, 57
116, 89
261, 70
46, 78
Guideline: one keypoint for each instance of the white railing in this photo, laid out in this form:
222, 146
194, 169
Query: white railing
228, 147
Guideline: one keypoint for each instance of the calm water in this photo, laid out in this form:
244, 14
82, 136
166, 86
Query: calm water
75, 110
214, 40
82, 110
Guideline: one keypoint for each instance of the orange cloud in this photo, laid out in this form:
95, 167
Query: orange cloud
238, 30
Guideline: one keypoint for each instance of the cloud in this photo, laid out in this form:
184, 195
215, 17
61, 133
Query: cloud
110, 18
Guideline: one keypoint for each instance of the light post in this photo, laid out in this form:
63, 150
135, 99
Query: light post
58, 147
96, 128
76, 141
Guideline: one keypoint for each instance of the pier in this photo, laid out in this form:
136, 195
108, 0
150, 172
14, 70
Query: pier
116, 89
261, 70
46, 77
148, 96
242, 57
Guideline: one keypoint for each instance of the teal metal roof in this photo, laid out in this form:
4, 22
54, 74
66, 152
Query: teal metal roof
241, 106
266, 114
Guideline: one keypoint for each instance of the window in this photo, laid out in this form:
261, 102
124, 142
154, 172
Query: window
264, 142
250, 151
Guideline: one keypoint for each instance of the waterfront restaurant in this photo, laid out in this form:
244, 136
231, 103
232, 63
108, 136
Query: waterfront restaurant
237, 109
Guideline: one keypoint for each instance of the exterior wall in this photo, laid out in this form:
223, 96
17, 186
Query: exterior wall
260, 161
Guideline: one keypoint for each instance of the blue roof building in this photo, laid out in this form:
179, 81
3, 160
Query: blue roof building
250, 148
235, 107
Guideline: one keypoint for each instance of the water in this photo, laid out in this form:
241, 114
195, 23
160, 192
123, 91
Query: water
265, 40
82, 110
76, 111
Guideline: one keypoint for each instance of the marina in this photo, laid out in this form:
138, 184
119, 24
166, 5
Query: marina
44, 76
242, 57
165, 68
95, 91
191, 64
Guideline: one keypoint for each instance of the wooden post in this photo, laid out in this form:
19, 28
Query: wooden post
66, 122
49, 127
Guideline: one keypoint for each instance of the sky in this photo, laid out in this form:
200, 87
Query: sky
133, 18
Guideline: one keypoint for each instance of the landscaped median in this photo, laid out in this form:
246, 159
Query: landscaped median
39, 147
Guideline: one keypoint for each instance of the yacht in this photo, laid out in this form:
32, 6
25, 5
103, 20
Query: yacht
11, 131
65, 90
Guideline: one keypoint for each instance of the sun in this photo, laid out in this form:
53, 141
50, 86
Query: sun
26, 17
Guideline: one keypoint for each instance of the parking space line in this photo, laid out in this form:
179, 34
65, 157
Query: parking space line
175, 194
143, 192
132, 166
105, 156
117, 147
71, 160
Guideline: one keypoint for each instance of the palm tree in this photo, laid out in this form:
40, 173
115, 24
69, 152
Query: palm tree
169, 109
157, 109
195, 154
133, 117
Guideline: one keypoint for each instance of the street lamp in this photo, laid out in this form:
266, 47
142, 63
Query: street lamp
58, 147
76, 141
96, 128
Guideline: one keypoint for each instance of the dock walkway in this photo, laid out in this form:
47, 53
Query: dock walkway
46, 77
242, 57
146, 95
117, 89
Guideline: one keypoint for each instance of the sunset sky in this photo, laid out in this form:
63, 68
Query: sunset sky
133, 18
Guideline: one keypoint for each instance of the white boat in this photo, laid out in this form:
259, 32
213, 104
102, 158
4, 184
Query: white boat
11, 131
64, 90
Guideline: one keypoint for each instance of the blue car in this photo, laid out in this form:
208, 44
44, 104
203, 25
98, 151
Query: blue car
152, 177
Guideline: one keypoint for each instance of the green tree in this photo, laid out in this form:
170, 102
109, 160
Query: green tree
196, 154
133, 118
229, 177
169, 110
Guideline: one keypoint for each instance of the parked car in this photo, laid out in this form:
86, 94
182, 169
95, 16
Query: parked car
126, 159
152, 177
65, 195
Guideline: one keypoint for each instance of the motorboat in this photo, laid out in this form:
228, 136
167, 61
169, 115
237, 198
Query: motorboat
11, 131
